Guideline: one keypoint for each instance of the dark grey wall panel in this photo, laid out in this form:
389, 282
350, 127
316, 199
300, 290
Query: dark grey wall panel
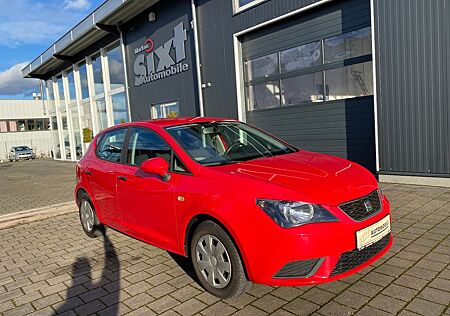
217, 24
343, 129
181, 87
412, 46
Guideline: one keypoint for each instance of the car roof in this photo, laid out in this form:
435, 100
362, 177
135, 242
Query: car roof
168, 122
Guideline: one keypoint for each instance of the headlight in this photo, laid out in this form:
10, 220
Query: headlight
292, 214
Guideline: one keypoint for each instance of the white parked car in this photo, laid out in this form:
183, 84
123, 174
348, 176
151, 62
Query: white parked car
20, 153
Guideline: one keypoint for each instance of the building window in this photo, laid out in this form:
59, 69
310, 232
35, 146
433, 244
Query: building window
21, 125
83, 81
240, 5
301, 57
101, 113
98, 74
329, 69
12, 126
116, 67
349, 81
71, 81
30, 125
120, 108
165, 110
348, 45
3, 126
60, 89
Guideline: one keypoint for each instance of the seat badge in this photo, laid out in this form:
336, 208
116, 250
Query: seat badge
368, 206
180, 198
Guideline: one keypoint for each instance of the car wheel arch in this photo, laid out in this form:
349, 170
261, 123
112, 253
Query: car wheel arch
200, 218
80, 191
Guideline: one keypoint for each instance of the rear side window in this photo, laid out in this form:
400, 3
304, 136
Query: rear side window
110, 145
145, 144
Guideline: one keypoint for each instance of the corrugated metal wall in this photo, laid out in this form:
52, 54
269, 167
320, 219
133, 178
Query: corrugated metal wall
217, 24
413, 56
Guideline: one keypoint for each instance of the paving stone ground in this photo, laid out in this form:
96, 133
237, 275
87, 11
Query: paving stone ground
49, 267
33, 184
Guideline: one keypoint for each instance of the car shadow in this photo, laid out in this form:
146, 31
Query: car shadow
185, 264
82, 275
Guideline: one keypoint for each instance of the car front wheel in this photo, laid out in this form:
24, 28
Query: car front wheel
216, 261
89, 221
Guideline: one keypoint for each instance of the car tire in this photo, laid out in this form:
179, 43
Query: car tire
232, 281
88, 218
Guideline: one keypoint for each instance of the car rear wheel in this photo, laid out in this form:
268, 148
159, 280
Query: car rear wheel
216, 261
89, 221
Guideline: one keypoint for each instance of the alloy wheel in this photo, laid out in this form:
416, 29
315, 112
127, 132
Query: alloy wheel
87, 216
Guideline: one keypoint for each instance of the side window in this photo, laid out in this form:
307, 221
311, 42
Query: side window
110, 145
145, 144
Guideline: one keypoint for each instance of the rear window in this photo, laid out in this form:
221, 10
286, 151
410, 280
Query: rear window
110, 145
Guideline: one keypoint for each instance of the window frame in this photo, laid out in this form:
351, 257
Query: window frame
238, 8
322, 67
100, 139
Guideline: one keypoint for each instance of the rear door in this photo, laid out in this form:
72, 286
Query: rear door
103, 175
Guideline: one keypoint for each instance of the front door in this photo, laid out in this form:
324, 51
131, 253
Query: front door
147, 202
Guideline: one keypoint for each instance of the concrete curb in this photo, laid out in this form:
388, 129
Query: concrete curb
23, 217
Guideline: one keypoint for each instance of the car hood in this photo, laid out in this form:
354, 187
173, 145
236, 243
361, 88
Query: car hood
317, 178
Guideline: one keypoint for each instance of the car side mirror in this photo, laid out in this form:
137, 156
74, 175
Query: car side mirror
157, 166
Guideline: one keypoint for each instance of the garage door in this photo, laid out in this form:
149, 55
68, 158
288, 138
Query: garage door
309, 80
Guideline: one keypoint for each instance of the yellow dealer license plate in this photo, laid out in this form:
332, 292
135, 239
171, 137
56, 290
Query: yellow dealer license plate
370, 235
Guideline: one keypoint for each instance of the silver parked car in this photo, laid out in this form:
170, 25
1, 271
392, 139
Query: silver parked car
21, 152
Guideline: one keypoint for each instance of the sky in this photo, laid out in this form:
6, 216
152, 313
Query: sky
28, 28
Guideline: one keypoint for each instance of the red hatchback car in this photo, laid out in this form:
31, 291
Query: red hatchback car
242, 204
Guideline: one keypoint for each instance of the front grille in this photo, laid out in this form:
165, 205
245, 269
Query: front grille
354, 258
362, 208
299, 269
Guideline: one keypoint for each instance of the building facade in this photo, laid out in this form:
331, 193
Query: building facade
24, 123
362, 79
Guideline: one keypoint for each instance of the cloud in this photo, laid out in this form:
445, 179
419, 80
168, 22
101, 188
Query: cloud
77, 4
12, 83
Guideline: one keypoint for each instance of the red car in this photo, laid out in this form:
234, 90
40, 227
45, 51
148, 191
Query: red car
242, 204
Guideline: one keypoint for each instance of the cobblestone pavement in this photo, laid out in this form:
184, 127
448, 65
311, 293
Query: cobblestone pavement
33, 184
50, 266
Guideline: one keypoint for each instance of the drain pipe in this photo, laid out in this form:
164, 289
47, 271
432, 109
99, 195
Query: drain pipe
197, 58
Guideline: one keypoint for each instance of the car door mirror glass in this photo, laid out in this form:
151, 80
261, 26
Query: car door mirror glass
157, 166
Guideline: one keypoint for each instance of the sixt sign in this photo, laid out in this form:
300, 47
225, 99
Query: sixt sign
165, 61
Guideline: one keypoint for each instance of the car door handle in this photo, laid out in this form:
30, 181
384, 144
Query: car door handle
122, 178
88, 173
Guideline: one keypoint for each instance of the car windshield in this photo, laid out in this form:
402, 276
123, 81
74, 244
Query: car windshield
217, 143
23, 148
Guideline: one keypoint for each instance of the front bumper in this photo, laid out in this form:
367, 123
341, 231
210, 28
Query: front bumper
319, 253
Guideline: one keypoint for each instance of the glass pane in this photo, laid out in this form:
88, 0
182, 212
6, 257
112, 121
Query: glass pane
263, 96
65, 134
262, 67
21, 125
349, 82
84, 81
86, 107
76, 131
101, 113
166, 110
348, 45
98, 75
301, 89
301, 57
60, 90
30, 125
110, 146
145, 144
71, 81
13, 126
40, 125
116, 70
120, 109
3, 127
244, 2
55, 137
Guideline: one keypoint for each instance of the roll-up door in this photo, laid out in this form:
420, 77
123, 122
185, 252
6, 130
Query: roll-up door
309, 80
